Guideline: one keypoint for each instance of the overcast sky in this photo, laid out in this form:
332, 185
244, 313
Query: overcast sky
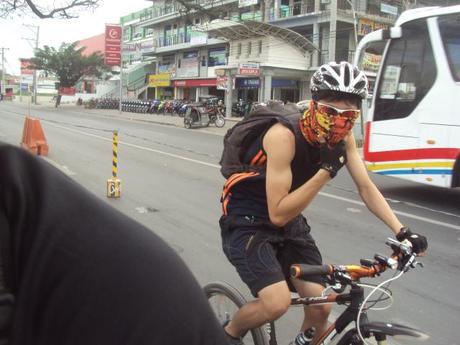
53, 32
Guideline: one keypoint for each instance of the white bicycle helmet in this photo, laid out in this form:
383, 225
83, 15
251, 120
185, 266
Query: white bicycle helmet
340, 77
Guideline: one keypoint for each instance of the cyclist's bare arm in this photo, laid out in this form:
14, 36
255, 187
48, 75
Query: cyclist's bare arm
279, 145
370, 194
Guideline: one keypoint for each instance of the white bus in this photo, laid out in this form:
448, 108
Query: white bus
412, 129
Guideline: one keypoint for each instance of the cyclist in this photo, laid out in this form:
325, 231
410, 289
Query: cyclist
83, 273
263, 231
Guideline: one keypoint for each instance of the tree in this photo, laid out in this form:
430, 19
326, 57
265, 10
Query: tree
68, 63
65, 9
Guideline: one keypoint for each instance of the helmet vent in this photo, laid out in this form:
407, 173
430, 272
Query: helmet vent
330, 80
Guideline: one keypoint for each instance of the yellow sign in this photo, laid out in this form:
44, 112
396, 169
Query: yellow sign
159, 80
366, 26
371, 62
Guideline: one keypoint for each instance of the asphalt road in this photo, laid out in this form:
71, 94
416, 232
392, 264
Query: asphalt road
171, 183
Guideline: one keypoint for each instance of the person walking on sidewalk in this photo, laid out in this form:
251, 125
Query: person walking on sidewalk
263, 230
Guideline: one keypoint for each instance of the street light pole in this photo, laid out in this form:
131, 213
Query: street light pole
354, 22
121, 68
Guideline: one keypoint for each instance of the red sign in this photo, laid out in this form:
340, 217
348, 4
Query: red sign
25, 67
249, 68
194, 82
68, 91
112, 45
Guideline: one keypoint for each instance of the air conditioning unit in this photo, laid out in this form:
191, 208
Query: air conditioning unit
325, 2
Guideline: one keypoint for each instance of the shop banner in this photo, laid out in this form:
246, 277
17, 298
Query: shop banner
194, 83
221, 82
67, 91
284, 83
25, 67
188, 67
244, 3
159, 80
247, 83
366, 26
371, 62
249, 68
112, 45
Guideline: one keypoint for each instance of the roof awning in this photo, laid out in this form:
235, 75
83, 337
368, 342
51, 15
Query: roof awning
231, 30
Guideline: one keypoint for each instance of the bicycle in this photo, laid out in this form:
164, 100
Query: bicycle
225, 300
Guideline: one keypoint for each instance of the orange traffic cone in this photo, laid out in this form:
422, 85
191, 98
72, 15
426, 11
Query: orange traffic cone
33, 138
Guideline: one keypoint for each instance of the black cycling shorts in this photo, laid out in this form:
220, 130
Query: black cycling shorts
263, 253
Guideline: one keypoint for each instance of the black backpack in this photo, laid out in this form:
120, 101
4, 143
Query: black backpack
240, 137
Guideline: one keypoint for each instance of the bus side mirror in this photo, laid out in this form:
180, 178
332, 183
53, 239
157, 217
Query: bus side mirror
391, 33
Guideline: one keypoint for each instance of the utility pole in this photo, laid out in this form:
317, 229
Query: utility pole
35, 47
3, 70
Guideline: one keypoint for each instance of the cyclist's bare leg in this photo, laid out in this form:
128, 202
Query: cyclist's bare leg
317, 315
272, 302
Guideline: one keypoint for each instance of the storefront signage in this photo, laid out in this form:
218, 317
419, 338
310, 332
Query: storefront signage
68, 91
247, 83
366, 26
284, 83
25, 67
195, 82
249, 68
221, 82
385, 8
188, 66
112, 45
159, 80
244, 3
371, 62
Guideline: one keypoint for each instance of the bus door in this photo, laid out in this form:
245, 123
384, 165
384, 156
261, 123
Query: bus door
401, 98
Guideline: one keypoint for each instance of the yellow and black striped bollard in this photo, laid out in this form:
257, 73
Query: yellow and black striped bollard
113, 183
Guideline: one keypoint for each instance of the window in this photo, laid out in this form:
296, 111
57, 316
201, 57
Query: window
216, 57
238, 50
203, 61
148, 32
137, 32
249, 48
409, 72
449, 27
260, 47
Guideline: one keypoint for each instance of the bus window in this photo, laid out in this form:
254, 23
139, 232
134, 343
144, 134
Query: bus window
449, 26
409, 72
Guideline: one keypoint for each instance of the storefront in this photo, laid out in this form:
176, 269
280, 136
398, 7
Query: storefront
248, 89
286, 90
192, 89
162, 84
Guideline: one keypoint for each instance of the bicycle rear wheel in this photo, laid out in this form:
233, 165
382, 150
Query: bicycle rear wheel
225, 301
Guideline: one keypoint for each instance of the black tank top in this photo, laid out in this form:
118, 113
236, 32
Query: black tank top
249, 196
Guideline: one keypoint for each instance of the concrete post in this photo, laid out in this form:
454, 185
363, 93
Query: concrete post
267, 95
332, 30
229, 94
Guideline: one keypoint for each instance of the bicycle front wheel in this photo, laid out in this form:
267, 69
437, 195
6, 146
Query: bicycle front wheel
225, 301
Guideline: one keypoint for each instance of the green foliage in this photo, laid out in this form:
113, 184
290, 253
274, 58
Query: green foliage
69, 64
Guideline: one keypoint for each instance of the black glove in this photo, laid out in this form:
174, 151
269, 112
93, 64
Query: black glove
333, 158
419, 242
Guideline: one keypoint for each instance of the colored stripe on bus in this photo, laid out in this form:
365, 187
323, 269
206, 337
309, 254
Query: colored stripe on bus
412, 154
417, 172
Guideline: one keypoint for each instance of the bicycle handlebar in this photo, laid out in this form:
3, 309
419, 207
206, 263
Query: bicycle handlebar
402, 254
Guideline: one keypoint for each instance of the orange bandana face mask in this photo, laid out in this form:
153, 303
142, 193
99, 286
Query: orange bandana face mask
322, 121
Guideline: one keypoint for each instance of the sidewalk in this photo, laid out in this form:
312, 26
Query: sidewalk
176, 121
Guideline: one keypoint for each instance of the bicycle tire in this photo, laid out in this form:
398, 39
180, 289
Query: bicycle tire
258, 335
373, 329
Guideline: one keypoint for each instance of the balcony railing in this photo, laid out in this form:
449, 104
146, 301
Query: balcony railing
171, 40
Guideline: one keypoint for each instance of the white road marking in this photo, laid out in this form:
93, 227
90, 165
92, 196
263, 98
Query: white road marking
328, 195
63, 168
408, 215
